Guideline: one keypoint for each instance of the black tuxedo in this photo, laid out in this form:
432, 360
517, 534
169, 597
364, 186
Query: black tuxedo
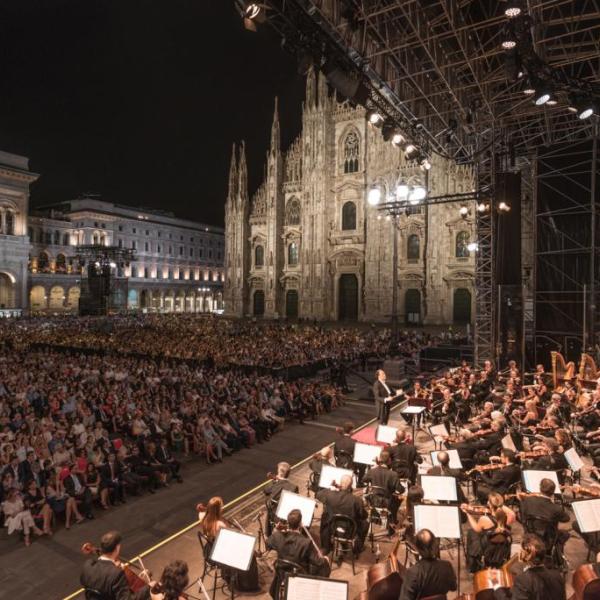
344, 452
499, 481
389, 484
109, 581
433, 577
539, 583
380, 394
404, 460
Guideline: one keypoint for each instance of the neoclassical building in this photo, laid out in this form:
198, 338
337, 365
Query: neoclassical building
178, 266
307, 243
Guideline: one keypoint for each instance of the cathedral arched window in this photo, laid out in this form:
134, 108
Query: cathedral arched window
349, 216
292, 212
293, 254
351, 152
9, 228
259, 256
462, 241
413, 247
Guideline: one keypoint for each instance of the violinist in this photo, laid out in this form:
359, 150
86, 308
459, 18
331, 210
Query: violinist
344, 447
489, 539
291, 545
499, 480
416, 397
445, 410
463, 444
430, 576
103, 576
554, 460
173, 582
273, 491
530, 417
342, 502
385, 487
404, 457
537, 582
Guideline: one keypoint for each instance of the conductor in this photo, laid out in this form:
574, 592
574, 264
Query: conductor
383, 395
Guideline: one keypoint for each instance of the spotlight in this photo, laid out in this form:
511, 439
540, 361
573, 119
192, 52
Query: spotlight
503, 207
483, 207
552, 102
388, 218
585, 107
374, 195
410, 148
542, 94
425, 164
252, 13
464, 211
472, 246
397, 139
374, 118
509, 39
528, 90
513, 9
402, 191
388, 130
417, 194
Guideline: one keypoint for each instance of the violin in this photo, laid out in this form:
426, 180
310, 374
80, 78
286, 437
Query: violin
484, 468
584, 491
533, 454
134, 581
475, 509
586, 583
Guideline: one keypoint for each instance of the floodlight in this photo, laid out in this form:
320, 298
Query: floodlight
374, 195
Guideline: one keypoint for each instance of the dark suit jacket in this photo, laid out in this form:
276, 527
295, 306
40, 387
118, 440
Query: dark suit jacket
501, 479
539, 583
104, 577
428, 578
346, 445
380, 394
536, 506
274, 489
384, 478
70, 486
341, 503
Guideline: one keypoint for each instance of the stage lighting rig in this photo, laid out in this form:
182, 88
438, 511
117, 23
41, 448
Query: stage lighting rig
252, 13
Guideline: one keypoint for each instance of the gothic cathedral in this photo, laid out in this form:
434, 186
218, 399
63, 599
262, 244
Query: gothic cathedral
308, 244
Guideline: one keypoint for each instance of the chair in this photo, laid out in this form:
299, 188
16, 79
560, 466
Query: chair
548, 532
343, 533
344, 460
283, 569
312, 485
209, 567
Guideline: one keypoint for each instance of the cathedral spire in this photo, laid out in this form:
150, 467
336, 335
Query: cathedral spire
243, 175
311, 84
275, 133
232, 189
322, 92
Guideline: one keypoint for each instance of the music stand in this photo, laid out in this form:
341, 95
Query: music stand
455, 462
443, 522
439, 433
329, 474
587, 513
366, 454
532, 479
385, 434
301, 587
439, 487
289, 501
414, 411
574, 460
508, 443
233, 549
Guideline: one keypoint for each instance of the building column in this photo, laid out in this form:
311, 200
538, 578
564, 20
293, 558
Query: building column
2, 220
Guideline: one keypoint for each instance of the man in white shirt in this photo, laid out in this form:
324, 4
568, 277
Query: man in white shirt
383, 395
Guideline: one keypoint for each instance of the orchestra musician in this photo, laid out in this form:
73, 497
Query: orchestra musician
499, 480
537, 582
386, 483
292, 546
173, 582
273, 490
430, 577
383, 395
323, 457
344, 447
404, 457
103, 576
342, 502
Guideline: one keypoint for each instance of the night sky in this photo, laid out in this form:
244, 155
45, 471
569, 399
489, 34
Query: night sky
140, 100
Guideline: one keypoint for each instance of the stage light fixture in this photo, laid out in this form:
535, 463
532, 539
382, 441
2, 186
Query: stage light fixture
528, 90
464, 211
417, 194
542, 94
410, 148
252, 13
586, 107
513, 9
374, 118
503, 207
509, 39
374, 195
483, 207
397, 139
472, 246
552, 102
425, 164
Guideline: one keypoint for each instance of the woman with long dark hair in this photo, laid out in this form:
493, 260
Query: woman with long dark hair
173, 581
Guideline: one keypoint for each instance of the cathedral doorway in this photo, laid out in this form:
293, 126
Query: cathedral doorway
462, 306
258, 303
412, 306
7, 291
291, 304
348, 298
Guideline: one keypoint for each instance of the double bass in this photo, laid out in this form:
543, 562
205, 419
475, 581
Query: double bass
586, 583
492, 579
384, 579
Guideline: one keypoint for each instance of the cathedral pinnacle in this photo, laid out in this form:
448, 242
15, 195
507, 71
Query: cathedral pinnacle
275, 134
243, 175
232, 191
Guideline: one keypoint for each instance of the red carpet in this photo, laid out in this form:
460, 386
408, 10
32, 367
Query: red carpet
367, 436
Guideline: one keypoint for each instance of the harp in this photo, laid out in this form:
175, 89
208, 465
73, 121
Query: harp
588, 372
561, 371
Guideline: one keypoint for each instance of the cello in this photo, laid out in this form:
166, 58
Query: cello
586, 583
492, 579
384, 579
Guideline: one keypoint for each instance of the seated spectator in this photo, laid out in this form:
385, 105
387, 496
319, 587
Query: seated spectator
17, 517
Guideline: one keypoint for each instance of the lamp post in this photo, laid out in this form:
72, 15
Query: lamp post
400, 196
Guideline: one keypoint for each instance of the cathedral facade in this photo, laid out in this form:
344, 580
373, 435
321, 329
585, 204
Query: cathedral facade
308, 244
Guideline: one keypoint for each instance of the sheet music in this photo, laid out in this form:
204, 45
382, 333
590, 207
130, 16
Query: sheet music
508, 443
233, 549
442, 521
438, 432
289, 501
574, 460
302, 588
455, 462
439, 487
532, 478
587, 513
412, 410
330, 474
385, 434
366, 454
